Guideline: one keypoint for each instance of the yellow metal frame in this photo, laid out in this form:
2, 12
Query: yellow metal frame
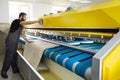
102, 35
111, 65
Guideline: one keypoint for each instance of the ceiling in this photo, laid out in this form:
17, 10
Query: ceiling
64, 2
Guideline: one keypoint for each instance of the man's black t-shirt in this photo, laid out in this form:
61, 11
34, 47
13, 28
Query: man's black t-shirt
15, 25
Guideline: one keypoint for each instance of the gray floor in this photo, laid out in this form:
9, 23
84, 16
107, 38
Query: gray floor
11, 76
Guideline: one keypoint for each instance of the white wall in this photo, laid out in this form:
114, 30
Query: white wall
35, 10
4, 11
41, 9
16, 7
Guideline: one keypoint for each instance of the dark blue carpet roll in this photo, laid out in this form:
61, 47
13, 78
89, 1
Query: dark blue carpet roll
21, 40
93, 46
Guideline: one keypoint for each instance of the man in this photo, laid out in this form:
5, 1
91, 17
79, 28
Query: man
12, 43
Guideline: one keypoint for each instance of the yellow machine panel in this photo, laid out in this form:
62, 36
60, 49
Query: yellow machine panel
111, 65
105, 15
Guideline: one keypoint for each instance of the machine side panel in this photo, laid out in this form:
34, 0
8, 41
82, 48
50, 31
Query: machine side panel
101, 55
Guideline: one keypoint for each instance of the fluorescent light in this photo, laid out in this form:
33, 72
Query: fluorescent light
74, 0
81, 1
85, 1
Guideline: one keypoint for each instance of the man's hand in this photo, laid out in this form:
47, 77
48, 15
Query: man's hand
40, 21
24, 37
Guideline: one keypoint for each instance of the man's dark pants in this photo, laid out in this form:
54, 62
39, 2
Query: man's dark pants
11, 51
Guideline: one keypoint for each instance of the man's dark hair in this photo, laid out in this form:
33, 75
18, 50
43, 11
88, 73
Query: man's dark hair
22, 14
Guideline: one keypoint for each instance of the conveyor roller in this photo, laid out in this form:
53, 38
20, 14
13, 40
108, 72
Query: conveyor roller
68, 58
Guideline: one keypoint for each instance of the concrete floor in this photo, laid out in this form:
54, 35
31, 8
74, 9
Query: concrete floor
11, 76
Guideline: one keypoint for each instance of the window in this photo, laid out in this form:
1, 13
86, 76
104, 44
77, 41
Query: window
16, 7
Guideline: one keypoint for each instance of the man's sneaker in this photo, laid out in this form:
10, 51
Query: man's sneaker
4, 74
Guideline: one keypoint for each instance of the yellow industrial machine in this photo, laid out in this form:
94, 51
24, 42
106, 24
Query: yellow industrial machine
99, 23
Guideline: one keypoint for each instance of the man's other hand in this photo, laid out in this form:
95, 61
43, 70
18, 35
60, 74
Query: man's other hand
30, 41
